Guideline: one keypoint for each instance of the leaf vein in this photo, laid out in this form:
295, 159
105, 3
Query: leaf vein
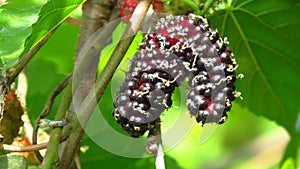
262, 22
252, 57
273, 51
244, 3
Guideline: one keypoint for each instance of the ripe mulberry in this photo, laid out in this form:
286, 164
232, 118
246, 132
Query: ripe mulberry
178, 48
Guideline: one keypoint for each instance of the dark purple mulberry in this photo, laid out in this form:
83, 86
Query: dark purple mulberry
179, 47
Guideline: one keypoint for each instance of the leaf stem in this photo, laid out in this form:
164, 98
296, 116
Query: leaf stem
207, 5
73, 21
154, 145
193, 5
52, 157
46, 112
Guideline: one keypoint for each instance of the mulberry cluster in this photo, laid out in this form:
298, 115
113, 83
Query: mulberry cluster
178, 48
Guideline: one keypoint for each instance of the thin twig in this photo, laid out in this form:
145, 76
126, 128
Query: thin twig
73, 21
154, 138
154, 145
46, 111
14, 148
52, 156
88, 104
10, 148
49, 104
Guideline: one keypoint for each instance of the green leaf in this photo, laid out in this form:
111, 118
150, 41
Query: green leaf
16, 18
52, 14
13, 161
24, 23
265, 38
